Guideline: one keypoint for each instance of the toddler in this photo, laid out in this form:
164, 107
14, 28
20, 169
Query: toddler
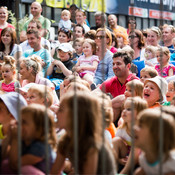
33, 140
87, 63
163, 57
78, 46
122, 141
147, 72
8, 69
65, 21
147, 138
150, 56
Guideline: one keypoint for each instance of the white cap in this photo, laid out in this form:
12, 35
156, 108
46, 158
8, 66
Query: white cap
65, 47
27, 87
161, 83
11, 99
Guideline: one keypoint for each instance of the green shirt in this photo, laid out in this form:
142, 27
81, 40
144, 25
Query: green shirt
46, 24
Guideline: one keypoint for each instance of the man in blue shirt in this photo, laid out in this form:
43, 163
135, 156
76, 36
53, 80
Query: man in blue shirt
34, 40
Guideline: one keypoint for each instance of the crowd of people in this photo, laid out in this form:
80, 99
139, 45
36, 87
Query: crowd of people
97, 89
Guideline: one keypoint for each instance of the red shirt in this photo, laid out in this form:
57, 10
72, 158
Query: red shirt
114, 87
9, 26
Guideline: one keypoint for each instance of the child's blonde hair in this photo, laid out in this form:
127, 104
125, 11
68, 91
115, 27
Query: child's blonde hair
150, 70
164, 50
66, 12
151, 119
92, 43
152, 49
43, 91
137, 85
139, 105
9, 60
38, 113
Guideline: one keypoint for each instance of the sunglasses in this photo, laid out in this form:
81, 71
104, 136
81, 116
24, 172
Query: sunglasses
100, 37
64, 30
133, 36
3, 7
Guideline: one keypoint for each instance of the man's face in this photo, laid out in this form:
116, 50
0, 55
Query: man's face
32, 26
119, 67
98, 21
33, 40
112, 20
167, 34
35, 9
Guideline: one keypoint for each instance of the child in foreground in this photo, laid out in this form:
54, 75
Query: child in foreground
33, 141
148, 126
90, 143
122, 141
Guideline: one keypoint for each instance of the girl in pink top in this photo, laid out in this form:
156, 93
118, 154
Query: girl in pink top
87, 63
167, 69
8, 69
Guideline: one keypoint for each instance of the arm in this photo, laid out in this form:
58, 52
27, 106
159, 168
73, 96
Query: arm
17, 55
89, 67
77, 67
65, 70
170, 72
90, 166
58, 165
139, 171
50, 68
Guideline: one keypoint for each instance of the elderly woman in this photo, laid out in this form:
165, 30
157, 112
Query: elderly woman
104, 69
3, 19
30, 71
8, 44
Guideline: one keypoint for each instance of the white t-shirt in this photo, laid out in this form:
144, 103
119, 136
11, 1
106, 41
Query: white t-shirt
153, 169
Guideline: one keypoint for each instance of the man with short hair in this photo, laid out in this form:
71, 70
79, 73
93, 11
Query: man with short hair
168, 35
34, 40
36, 11
112, 19
78, 31
35, 25
121, 68
100, 20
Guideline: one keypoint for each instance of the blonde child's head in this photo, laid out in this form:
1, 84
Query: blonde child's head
150, 118
147, 72
40, 94
129, 51
136, 86
92, 43
138, 105
37, 114
163, 55
65, 15
171, 91
9, 65
150, 52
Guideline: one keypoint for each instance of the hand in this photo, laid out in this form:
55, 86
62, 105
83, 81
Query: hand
79, 69
13, 130
123, 161
43, 63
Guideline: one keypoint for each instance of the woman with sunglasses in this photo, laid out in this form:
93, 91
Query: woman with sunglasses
104, 68
3, 19
64, 36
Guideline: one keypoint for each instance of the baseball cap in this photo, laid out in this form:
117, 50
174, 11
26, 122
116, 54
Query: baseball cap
65, 47
10, 99
161, 83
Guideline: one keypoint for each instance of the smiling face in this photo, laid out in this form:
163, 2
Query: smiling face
151, 93
78, 32
64, 56
80, 18
36, 9
171, 91
87, 49
152, 38
34, 42
62, 37
6, 38
3, 14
